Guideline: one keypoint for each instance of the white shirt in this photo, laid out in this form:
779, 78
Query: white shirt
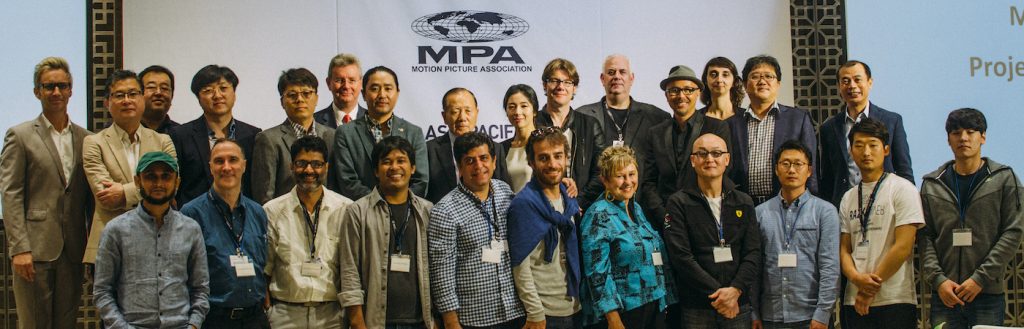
339, 114
131, 149
65, 147
519, 171
897, 203
716, 207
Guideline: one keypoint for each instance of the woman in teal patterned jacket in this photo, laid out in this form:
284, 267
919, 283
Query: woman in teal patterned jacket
626, 285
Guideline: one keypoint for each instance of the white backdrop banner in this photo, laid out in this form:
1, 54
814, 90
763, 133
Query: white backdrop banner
435, 45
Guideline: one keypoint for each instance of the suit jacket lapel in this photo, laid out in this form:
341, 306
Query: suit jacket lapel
447, 157
633, 124
117, 148
840, 130
363, 132
201, 140
288, 135
44, 135
667, 140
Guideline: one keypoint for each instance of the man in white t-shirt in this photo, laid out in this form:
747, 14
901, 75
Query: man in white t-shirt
877, 264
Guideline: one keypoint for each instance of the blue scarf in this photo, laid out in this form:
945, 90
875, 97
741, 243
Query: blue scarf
531, 217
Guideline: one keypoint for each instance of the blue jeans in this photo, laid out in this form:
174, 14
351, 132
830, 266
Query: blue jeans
710, 319
986, 309
780, 325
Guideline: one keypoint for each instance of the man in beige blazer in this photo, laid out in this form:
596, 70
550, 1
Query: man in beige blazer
46, 204
110, 157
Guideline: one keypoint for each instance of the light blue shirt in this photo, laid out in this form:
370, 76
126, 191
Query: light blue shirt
810, 228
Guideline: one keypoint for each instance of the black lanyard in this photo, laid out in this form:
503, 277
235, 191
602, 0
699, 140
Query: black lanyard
618, 128
865, 212
492, 226
227, 216
399, 232
313, 224
961, 204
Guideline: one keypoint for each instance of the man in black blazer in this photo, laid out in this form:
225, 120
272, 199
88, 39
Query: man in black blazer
759, 132
664, 153
459, 111
345, 80
622, 117
214, 86
837, 171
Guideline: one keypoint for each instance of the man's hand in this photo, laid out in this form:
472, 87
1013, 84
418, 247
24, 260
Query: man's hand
863, 303
23, 266
968, 290
947, 293
536, 325
112, 195
867, 283
451, 320
192, 326
570, 187
756, 324
725, 301
818, 325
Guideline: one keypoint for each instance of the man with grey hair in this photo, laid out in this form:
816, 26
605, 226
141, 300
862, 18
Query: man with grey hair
621, 117
345, 80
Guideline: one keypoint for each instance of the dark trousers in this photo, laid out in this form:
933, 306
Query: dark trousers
248, 318
986, 309
514, 324
895, 316
644, 317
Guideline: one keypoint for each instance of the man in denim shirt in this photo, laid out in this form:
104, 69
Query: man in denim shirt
151, 263
800, 233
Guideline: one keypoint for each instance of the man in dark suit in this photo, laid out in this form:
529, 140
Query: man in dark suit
158, 90
459, 111
344, 79
353, 143
837, 171
759, 132
622, 117
214, 86
664, 152
272, 174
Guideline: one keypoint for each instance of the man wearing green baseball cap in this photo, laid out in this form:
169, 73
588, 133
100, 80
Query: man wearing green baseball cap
152, 255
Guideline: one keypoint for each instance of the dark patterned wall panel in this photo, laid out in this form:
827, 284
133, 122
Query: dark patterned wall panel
104, 33
819, 43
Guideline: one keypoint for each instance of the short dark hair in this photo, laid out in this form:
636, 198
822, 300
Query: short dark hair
210, 74
546, 134
223, 140
157, 69
444, 99
375, 69
526, 90
755, 61
795, 145
852, 63
735, 94
309, 144
871, 127
118, 76
966, 118
391, 143
470, 141
296, 77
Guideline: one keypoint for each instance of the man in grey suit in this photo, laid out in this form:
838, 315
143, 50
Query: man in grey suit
344, 79
46, 203
271, 169
354, 142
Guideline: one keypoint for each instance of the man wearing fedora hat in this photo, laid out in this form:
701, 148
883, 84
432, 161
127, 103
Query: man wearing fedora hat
664, 150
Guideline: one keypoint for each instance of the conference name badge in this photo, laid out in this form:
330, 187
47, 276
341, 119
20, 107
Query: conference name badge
400, 263
311, 268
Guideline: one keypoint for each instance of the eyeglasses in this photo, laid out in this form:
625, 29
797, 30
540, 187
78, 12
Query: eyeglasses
787, 165
301, 164
675, 91
549, 130
52, 85
131, 94
705, 154
762, 77
294, 96
158, 89
556, 82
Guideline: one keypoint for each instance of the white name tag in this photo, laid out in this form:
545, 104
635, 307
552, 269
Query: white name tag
787, 260
962, 238
656, 257
618, 143
311, 268
490, 256
400, 263
245, 270
499, 245
861, 253
236, 259
723, 254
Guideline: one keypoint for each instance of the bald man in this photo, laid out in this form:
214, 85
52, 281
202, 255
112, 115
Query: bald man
622, 117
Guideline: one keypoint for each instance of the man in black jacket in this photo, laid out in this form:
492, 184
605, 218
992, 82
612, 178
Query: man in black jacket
714, 243
459, 111
623, 118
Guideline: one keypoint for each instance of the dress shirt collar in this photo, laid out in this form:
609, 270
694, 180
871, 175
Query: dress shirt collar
301, 131
773, 110
49, 125
802, 199
863, 114
123, 135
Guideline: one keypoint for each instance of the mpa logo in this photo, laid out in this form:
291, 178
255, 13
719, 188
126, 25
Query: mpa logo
470, 26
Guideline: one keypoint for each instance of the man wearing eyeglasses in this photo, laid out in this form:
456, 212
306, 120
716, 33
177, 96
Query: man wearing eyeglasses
46, 204
713, 242
345, 80
623, 118
214, 87
800, 233
271, 173
758, 132
110, 156
302, 243
158, 90
665, 148
459, 111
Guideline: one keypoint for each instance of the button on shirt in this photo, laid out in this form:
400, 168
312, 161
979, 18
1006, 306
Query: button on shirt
65, 147
807, 291
131, 149
149, 276
226, 289
851, 166
482, 293
760, 138
288, 238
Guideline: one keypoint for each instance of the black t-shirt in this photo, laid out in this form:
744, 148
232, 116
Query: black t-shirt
618, 118
403, 288
963, 185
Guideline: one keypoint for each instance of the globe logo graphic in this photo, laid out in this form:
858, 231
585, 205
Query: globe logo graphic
469, 26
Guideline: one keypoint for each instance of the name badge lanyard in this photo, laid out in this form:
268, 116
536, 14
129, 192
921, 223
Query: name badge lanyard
616, 124
492, 226
721, 234
226, 215
399, 232
960, 202
313, 224
792, 230
865, 212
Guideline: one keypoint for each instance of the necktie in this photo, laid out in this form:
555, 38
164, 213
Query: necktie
346, 119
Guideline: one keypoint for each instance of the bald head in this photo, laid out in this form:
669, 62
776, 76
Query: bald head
616, 76
703, 156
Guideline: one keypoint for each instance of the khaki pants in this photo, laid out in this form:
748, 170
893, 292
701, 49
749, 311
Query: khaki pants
51, 300
295, 316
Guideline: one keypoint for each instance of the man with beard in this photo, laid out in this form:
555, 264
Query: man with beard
151, 266
302, 243
158, 91
387, 229
235, 232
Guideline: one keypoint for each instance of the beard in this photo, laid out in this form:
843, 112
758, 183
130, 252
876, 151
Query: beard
157, 201
302, 185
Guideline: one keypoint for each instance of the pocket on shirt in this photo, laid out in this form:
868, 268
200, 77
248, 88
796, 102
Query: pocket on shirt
807, 236
36, 215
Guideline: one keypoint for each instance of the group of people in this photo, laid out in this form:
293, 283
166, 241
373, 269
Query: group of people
616, 214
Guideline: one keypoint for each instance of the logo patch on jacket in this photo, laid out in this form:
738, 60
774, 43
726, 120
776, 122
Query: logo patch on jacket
739, 213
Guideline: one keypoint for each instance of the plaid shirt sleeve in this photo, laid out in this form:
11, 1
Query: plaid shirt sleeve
441, 241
